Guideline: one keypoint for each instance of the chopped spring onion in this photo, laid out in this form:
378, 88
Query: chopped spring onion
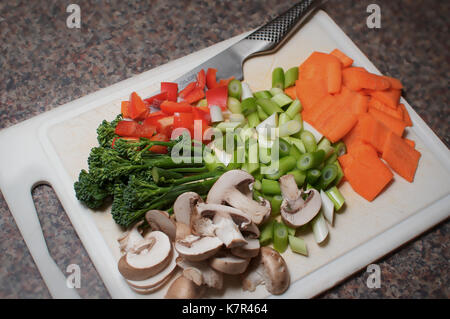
294, 152
340, 148
299, 176
294, 109
280, 167
235, 89
340, 173
216, 113
257, 185
278, 78
328, 175
284, 148
281, 99
312, 176
269, 107
264, 155
298, 245
262, 94
246, 91
310, 160
298, 143
291, 230
224, 126
261, 114
336, 197
234, 105
283, 118
320, 228
253, 119
275, 203
327, 207
252, 167
290, 76
309, 140
266, 234
275, 91
289, 128
280, 237
298, 118
269, 123
248, 105
318, 136
270, 187
333, 157
238, 117
325, 145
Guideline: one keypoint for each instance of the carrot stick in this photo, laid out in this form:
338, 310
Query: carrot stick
345, 60
357, 79
406, 117
397, 112
334, 76
389, 97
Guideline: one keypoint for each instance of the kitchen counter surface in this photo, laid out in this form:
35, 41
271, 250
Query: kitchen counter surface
44, 64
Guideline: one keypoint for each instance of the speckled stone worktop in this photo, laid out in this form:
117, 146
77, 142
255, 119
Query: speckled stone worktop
44, 64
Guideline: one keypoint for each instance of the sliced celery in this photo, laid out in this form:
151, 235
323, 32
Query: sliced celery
266, 234
309, 140
275, 203
262, 95
280, 237
278, 78
268, 106
281, 99
294, 109
290, 76
336, 197
234, 105
289, 128
298, 245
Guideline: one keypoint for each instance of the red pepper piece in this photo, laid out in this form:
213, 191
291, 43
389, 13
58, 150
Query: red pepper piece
127, 128
201, 79
202, 113
156, 100
211, 81
218, 96
194, 96
171, 89
159, 148
146, 130
165, 125
137, 108
124, 109
187, 89
223, 82
183, 120
170, 107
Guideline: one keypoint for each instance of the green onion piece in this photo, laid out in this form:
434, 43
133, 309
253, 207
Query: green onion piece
298, 118
234, 105
309, 140
266, 234
256, 195
294, 152
291, 230
299, 176
236, 117
290, 76
261, 114
327, 207
246, 91
325, 145
333, 157
275, 91
280, 237
285, 164
336, 197
235, 89
294, 109
257, 185
248, 106
312, 176
310, 160
283, 147
253, 119
264, 155
283, 118
275, 203
278, 78
269, 107
320, 228
223, 126
252, 167
270, 187
340, 148
340, 174
262, 95
281, 99
257, 175
289, 128
298, 245
298, 143
327, 176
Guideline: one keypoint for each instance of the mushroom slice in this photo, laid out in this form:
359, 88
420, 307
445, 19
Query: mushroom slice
240, 218
251, 231
160, 220
201, 273
249, 250
228, 189
295, 211
229, 264
147, 258
184, 288
227, 231
196, 248
182, 230
184, 206
269, 268
156, 281
130, 238
203, 226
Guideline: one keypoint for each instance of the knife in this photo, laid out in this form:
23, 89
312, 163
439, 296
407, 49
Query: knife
265, 39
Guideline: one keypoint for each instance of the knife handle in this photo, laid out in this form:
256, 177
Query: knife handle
274, 32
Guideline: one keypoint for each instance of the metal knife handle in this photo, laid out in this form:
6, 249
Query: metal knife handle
276, 30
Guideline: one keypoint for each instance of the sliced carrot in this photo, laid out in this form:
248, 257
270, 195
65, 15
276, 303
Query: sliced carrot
395, 83
338, 125
345, 60
401, 157
313, 114
406, 117
334, 76
353, 102
309, 92
314, 67
357, 79
291, 92
345, 160
361, 103
124, 109
397, 112
410, 142
389, 97
373, 132
395, 125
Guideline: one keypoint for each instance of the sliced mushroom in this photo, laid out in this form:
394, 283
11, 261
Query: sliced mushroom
249, 250
184, 206
160, 220
251, 231
201, 273
184, 288
240, 218
182, 230
147, 258
229, 264
156, 281
268, 268
195, 248
295, 211
228, 189
227, 231
130, 238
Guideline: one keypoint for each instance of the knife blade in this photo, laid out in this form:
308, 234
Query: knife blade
265, 39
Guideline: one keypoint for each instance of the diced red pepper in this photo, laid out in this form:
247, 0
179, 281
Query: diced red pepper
223, 82
127, 138
171, 89
146, 130
202, 113
156, 100
187, 89
127, 128
137, 108
170, 107
211, 81
201, 79
124, 109
156, 114
165, 125
194, 96
218, 96
183, 120
159, 148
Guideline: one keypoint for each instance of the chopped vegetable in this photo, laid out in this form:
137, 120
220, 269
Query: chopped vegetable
171, 90
278, 78
235, 89
290, 76
310, 160
298, 245
218, 96
270, 187
280, 237
320, 228
345, 60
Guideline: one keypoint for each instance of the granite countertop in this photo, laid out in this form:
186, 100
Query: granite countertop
44, 64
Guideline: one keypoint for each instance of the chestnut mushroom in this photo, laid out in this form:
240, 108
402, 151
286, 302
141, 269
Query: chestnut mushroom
160, 220
229, 264
184, 288
201, 273
195, 248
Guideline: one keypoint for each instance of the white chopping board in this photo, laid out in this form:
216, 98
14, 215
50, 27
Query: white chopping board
55, 147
